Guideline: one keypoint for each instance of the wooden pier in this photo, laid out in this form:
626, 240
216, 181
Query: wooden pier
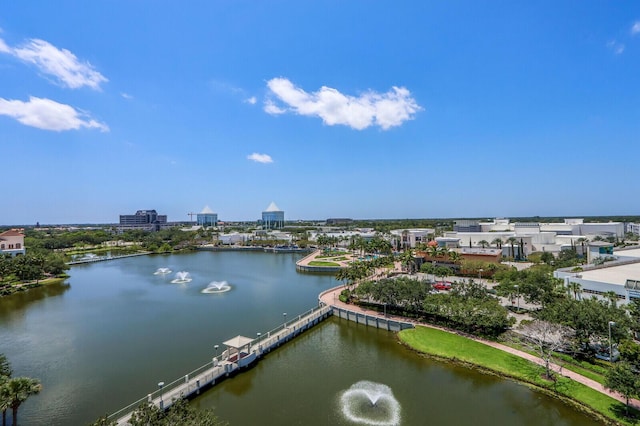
241, 352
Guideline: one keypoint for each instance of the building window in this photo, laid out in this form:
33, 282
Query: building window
17, 245
1, 246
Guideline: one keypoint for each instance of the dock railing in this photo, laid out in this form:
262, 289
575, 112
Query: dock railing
207, 374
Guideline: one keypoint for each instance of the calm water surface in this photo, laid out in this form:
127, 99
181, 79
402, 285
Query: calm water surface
116, 330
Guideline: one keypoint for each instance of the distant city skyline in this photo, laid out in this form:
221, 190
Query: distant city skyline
366, 110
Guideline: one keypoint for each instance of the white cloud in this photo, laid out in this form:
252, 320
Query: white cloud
260, 158
252, 100
385, 110
635, 29
126, 96
46, 114
271, 108
616, 47
59, 63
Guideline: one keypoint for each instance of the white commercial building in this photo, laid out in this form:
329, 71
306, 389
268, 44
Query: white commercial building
622, 277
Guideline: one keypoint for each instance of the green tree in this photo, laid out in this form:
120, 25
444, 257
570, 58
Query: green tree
408, 261
630, 352
512, 241
5, 366
55, 265
17, 390
483, 243
5, 374
179, 413
622, 379
497, 242
547, 257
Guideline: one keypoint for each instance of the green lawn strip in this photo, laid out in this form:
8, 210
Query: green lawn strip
584, 368
322, 263
457, 348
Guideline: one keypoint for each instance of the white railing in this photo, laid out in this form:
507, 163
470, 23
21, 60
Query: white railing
209, 372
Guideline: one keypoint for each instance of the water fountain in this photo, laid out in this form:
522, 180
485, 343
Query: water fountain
370, 403
217, 287
162, 271
182, 277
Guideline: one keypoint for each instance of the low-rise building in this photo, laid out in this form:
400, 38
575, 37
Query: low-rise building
146, 220
12, 242
620, 277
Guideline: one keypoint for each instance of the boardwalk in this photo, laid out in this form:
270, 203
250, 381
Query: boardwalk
104, 258
243, 351
239, 354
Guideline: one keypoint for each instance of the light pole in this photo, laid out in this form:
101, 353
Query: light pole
385, 310
161, 385
517, 297
610, 344
259, 346
284, 314
480, 271
216, 348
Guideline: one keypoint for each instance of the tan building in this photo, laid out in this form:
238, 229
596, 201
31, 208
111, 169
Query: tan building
12, 242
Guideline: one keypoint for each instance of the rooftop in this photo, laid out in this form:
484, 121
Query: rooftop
273, 208
613, 274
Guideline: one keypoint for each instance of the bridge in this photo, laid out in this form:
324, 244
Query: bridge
242, 351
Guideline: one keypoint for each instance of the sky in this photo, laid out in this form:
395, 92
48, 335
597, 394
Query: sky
361, 109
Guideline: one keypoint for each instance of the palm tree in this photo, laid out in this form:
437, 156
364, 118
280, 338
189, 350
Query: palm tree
483, 243
17, 390
583, 240
407, 260
5, 401
5, 374
454, 256
512, 241
575, 288
5, 366
497, 242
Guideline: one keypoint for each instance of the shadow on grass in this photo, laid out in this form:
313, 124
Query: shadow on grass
632, 416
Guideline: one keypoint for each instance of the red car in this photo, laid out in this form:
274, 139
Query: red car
442, 286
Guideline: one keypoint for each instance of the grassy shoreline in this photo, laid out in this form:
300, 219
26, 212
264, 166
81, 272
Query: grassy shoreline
461, 350
9, 289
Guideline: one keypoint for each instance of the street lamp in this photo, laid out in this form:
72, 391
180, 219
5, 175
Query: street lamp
284, 314
517, 297
216, 348
480, 271
610, 344
385, 310
161, 385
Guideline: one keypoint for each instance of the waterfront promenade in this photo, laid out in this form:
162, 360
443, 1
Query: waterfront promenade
332, 297
241, 352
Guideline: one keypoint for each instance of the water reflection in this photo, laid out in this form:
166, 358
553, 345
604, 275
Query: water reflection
12, 304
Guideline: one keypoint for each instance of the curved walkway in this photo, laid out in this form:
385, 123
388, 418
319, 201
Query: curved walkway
330, 297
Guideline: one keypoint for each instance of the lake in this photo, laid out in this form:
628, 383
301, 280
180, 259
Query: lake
115, 330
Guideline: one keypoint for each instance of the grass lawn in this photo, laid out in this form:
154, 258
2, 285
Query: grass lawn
451, 346
593, 371
322, 263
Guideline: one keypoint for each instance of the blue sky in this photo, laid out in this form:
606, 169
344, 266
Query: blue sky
362, 109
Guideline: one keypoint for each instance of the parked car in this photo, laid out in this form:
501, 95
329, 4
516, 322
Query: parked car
442, 286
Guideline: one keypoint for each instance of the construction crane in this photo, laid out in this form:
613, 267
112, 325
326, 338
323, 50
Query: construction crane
191, 215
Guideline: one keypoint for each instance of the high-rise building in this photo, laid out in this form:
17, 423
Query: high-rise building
273, 217
207, 217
